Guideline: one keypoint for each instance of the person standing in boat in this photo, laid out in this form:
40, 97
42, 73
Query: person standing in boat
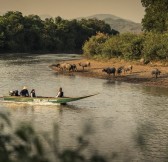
33, 93
24, 92
60, 93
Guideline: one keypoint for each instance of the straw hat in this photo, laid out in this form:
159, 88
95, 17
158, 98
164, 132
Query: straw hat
24, 87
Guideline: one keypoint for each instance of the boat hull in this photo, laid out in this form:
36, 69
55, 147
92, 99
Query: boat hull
40, 99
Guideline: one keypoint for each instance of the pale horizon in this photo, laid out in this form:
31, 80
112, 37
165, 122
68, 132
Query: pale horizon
71, 9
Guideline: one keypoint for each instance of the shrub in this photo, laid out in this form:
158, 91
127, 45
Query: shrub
129, 46
155, 46
94, 45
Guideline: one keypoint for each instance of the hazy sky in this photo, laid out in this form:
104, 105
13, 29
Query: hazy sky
68, 9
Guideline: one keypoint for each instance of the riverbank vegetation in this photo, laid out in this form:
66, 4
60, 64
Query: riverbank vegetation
30, 33
128, 46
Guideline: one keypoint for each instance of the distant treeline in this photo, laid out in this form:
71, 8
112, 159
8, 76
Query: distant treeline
30, 33
129, 46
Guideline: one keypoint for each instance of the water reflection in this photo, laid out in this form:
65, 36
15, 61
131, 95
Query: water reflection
109, 82
158, 91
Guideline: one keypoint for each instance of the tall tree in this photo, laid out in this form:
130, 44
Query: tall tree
33, 29
2, 34
13, 22
156, 16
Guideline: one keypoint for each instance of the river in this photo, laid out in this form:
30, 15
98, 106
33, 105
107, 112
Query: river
126, 120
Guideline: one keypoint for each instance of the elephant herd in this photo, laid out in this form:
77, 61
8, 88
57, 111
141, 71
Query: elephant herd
109, 70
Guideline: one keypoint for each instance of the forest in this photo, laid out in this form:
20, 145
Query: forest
30, 33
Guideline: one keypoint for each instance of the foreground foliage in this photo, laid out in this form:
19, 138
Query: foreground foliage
24, 144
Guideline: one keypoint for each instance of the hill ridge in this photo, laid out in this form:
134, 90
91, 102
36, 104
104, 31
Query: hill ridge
117, 23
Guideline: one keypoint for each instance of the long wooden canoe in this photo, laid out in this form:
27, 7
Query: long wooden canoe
61, 100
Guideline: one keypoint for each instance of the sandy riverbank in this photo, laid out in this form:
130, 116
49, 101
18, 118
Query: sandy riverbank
141, 74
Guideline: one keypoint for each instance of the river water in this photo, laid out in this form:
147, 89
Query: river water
126, 120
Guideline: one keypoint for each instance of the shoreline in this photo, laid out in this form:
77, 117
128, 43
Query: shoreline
141, 74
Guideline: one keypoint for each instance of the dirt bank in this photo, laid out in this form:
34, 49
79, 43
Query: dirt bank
141, 74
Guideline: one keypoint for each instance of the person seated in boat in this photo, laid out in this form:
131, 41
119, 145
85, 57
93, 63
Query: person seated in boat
24, 92
33, 93
60, 93
14, 93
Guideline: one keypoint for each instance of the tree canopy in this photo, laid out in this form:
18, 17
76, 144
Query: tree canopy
156, 15
20, 33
